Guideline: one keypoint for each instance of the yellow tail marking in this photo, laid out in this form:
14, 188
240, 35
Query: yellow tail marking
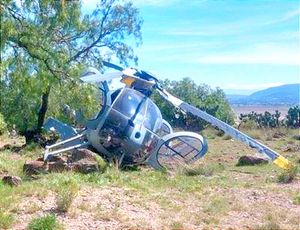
282, 162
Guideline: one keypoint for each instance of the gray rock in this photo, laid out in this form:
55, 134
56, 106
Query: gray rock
12, 180
35, 167
249, 160
79, 154
80, 160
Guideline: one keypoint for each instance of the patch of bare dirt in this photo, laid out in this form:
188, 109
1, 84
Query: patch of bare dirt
118, 208
94, 208
11, 142
255, 207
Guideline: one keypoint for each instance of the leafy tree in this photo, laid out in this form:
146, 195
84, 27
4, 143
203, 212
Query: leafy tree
44, 46
293, 117
202, 96
2, 124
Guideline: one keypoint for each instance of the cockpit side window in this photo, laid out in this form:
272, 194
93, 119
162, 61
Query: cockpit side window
114, 95
153, 117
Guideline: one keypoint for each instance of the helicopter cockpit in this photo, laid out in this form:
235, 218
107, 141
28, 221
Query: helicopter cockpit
131, 125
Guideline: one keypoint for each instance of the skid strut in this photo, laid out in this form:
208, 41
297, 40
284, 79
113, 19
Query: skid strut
48, 153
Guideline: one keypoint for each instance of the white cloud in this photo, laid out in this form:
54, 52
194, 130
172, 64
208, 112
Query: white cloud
197, 28
291, 14
259, 54
263, 53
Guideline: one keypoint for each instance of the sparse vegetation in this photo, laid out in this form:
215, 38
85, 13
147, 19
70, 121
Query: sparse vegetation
176, 226
288, 175
217, 205
66, 192
296, 199
204, 170
202, 195
270, 225
6, 220
48, 222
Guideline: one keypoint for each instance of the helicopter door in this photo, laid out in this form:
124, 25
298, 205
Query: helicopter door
177, 149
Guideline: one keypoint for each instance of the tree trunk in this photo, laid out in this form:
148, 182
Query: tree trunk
34, 135
43, 110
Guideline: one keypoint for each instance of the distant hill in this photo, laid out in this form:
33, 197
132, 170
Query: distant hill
280, 95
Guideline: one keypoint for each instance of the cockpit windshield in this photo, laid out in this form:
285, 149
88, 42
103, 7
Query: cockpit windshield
128, 102
138, 107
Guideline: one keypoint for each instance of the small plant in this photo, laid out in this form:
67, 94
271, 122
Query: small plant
296, 199
102, 165
6, 220
270, 225
254, 133
176, 225
288, 175
66, 194
204, 170
217, 205
32, 208
48, 222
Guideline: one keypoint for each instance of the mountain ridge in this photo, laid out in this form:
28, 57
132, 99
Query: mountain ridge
288, 94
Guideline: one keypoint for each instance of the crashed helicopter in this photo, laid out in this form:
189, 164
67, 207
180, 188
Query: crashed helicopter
130, 126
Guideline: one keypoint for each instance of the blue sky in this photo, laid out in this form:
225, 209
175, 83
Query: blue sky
240, 46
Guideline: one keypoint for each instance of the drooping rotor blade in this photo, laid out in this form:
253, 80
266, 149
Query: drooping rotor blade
133, 72
111, 65
277, 159
98, 77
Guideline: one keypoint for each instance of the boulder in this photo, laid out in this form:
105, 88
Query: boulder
79, 154
85, 167
85, 161
35, 167
291, 148
250, 160
278, 135
12, 180
79, 160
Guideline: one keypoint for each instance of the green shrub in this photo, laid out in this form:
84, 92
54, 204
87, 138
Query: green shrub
48, 222
3, 126
248, 124
102, 165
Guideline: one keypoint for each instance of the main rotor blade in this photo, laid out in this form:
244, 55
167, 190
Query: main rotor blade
96, 78
111, 65
277, 159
